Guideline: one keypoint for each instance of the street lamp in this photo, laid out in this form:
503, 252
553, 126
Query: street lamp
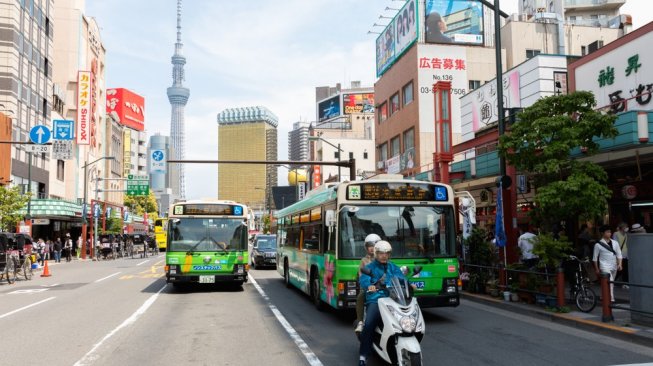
85, 210
316, 138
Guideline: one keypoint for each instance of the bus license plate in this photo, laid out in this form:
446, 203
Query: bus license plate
207, 279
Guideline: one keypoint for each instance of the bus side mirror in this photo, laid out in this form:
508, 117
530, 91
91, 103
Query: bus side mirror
330, 218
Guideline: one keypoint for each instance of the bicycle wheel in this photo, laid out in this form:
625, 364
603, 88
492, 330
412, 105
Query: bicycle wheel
585, 299
10, 271
28, 272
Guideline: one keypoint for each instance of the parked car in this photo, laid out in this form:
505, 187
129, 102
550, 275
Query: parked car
264, 251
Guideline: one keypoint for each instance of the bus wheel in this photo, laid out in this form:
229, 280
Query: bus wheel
286, 275
315, 291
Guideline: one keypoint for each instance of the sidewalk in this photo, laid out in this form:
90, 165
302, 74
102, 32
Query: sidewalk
621, 327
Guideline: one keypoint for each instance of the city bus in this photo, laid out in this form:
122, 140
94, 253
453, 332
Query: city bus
207, 243
321, 238
160, 233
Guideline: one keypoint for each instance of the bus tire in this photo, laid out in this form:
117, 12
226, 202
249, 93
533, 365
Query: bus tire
286, 273
315, 290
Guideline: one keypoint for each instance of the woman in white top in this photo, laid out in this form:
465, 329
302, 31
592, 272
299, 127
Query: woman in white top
607, 256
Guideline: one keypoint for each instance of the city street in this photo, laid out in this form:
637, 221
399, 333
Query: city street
122, 312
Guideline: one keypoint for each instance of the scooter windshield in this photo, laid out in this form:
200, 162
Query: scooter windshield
397, 292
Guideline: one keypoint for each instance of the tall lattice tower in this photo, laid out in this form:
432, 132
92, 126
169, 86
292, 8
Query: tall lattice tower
178, 97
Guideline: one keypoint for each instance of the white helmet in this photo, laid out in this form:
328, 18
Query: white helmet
382, 247
371, 239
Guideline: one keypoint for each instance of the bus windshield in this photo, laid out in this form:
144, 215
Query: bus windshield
207, 234
413, 231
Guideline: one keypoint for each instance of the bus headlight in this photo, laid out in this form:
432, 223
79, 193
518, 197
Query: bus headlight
239, 268
172, 269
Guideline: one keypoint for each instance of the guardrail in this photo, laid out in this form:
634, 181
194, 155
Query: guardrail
607, 305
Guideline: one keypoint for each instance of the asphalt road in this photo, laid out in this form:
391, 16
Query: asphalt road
122, 313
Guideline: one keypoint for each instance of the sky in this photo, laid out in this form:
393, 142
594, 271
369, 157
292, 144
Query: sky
271, 53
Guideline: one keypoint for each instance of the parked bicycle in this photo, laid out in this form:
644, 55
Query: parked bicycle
581, 292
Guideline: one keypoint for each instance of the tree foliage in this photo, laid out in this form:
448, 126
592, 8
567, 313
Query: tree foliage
142, 204
11, 200
540, 144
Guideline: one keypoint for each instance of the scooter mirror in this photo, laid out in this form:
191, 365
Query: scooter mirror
416, 270
404, 270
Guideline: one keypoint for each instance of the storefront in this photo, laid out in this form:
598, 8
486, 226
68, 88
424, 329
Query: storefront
52, 218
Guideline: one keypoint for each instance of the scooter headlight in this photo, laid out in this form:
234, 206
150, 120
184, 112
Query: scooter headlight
407, 324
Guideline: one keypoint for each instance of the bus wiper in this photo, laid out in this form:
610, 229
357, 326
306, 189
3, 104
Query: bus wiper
220, 245
192, 250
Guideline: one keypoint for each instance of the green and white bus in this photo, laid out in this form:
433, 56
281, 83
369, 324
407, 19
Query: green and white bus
207, 242
321, 238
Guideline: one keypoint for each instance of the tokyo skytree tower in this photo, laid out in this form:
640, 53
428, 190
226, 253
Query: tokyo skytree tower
178, 97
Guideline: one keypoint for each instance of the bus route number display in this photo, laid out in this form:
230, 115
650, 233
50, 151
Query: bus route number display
208, 210
397, 192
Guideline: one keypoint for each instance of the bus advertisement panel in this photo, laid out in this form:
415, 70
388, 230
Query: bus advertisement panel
161, 232
321, 239
207, 242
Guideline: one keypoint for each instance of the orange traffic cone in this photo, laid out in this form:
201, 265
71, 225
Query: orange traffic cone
46, 270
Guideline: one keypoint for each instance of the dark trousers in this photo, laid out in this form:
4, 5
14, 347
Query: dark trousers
372, 319
623, 274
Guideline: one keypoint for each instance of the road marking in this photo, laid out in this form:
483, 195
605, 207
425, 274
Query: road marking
159, 262
26, 307
31, 291
109, 276
303, 347
90, 357
145, 261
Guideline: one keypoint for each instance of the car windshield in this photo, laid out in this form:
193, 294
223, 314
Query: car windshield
266, 243
413, 231
202, 234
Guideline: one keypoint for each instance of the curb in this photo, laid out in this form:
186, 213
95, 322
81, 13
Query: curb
616, 331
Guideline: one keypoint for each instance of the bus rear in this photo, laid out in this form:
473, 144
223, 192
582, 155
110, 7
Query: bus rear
207, 243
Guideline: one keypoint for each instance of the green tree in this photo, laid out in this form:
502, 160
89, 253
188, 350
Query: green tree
11, 201
142, 204
540, 144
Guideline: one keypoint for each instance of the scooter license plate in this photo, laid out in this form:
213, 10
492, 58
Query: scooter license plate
207, 279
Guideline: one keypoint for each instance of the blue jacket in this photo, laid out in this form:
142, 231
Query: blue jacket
378, 270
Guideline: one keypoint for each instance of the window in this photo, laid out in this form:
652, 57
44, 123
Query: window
60, 170
583, 50
532, 53
407, 93
382, 112
383, 152
409, 139
351, 155
336, 154
394, 104
365, 154
474, 84
395, 146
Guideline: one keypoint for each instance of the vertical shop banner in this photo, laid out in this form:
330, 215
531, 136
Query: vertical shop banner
485, 108
83, 108
446, 63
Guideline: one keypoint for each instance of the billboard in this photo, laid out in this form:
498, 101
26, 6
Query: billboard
485, 109
126, 108
400, 34
83, 108
328, 108
358, 103
453, 21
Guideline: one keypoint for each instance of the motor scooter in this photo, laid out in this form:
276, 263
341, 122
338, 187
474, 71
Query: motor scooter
397, 339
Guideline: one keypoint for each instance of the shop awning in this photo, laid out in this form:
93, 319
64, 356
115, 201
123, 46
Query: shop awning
52, 207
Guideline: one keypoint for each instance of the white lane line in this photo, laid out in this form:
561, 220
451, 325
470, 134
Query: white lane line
303, 347
145, 261
109, 276
90, 357
159, 262
26, 307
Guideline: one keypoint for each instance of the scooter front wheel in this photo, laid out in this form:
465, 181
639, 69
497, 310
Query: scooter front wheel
413, 359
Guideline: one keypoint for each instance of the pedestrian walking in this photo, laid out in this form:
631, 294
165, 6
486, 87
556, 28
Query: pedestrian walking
607, 256
68, 248
621, 236
525, 244
57, 250
48, 249
40, 246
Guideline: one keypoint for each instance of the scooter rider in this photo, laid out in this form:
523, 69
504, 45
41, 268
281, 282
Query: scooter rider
370, 241
381, 271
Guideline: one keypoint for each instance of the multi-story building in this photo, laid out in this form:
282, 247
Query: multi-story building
248, 133
298, 141
345, 121
26, 88
575, 12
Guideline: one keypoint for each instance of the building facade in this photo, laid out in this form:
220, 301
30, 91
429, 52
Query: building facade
298, 141
248, 133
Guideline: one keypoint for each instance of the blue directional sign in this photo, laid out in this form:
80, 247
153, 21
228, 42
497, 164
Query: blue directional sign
63, 129
40, 134
158, 161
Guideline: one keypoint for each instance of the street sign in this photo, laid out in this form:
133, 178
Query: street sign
63, 129
37, 149
157, 161
62, 149
40, 134
40, 221
138, 185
